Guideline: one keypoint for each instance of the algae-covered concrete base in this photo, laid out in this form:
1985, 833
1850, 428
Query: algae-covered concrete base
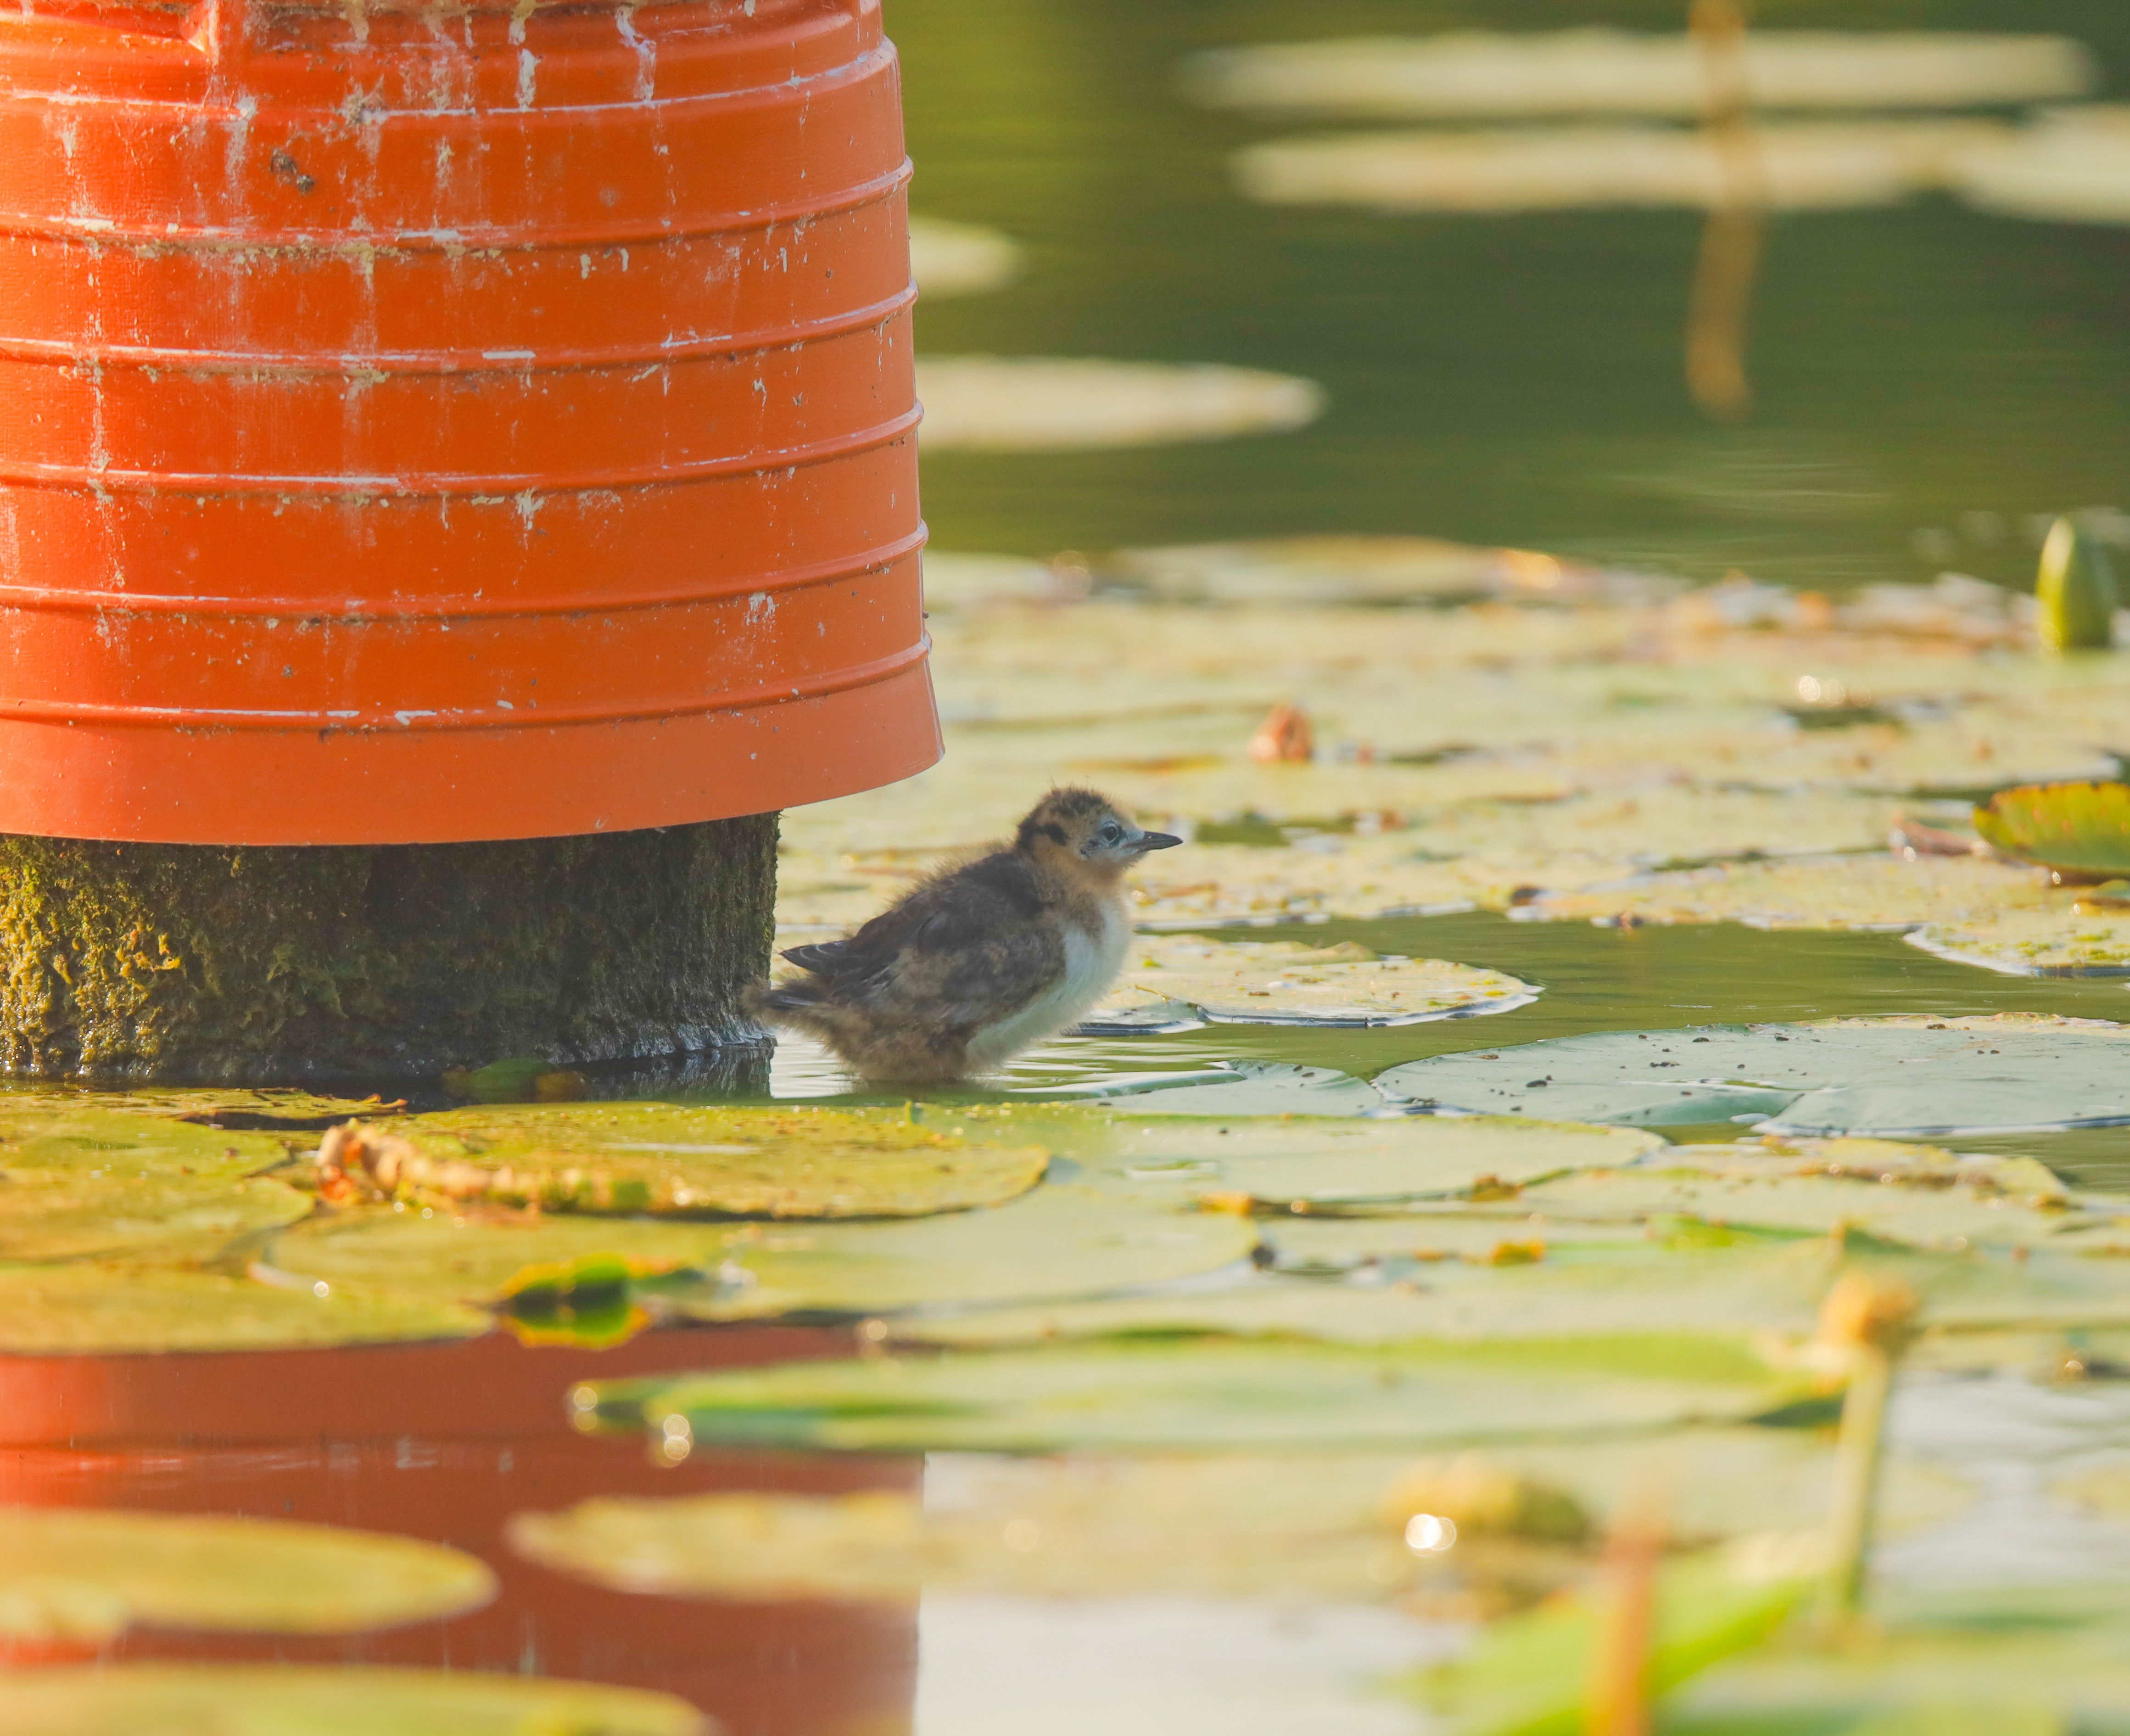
249, 964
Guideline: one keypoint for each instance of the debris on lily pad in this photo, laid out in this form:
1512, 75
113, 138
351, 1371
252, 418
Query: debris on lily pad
1802, 165
1204, 1393
1288, 982
960, 258
82, 1308
665, 1159
1905, 1077
254, 1700
83, 1574
1037, 404
1465, 74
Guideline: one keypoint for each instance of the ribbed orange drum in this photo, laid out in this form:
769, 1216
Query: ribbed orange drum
424, 422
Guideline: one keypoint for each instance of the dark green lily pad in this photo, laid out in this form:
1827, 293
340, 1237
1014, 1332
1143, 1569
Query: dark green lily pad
288, 1699
1899, 1077
92, 1308
2080, 828
1204, 1393
80, 1573
711, 1161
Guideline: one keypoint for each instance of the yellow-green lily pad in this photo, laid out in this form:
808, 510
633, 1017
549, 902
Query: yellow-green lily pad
2082, 827
1018, 403
960, 258
1287, 982
79, 1574
1202, 1394
666, 1160
1302, 1163
85, 1309
290, 1700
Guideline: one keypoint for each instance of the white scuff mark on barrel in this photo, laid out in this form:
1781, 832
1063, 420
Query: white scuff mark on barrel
528, 65
584, 264
646, 52
443, 161
240, 136
529, 503
405, 717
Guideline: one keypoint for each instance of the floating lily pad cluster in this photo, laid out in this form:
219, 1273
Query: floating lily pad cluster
1589, 748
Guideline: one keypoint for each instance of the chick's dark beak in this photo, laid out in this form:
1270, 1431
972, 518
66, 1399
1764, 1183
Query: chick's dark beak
1156, 841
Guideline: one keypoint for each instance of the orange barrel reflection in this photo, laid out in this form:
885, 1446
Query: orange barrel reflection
446, 1442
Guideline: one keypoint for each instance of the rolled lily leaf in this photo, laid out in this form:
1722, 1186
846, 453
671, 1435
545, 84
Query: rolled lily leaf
2075, 828
2076, 590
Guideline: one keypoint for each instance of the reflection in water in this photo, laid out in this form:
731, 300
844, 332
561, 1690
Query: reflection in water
1729, 255
446, 1442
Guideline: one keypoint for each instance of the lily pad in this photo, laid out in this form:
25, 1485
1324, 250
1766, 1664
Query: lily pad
1287, 982
1064, 1239
290, 1699
960, 258
1905, 1077
1802, 165
80, 1573
1317, 1528
665, 1159
1470, 73
83, 1309
1530, 1674
1298, 1163
2082, 827
1239, 1088
472, 1259
1206, 1393
1024, 403
1287, 571
2073, 166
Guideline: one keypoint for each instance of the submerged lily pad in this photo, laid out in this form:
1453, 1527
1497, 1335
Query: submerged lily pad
1039, 403
1208, 1393
2082, 827
1287, 982
1299, 1163
665, 1159
1470, 73
290, 1699
1239, 1088
83, 1308
1907, 1078
81, 1573
1062, 1240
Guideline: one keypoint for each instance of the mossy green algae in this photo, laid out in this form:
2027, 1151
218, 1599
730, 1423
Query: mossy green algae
241, 963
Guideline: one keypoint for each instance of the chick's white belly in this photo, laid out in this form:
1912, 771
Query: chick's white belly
1092, 964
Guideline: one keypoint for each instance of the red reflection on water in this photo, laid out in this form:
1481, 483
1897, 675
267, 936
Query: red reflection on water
447, 1441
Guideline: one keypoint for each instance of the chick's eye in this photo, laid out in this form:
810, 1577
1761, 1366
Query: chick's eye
1111, 831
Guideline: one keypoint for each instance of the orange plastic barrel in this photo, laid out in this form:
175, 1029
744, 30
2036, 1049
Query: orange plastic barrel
451, 422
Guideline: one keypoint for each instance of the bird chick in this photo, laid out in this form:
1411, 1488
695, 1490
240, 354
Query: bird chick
979, 962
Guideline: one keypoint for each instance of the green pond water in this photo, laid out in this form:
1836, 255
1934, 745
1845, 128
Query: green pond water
1928, 380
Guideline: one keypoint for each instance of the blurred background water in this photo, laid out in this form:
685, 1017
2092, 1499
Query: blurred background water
1928, 378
